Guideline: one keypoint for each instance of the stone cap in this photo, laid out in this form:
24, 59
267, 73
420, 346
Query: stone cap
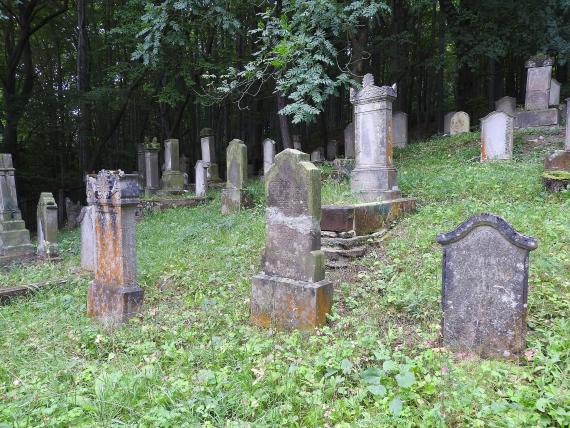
47, 200
539, 61
206, 132
113, 188
151, 145
270, 140
6, 161
496, 222
370, 93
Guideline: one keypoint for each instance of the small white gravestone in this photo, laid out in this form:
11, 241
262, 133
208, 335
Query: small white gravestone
88, 240
317, 155
497, 136
447, 121
554, 92
400, 124
459, 123
268, 154
201, 178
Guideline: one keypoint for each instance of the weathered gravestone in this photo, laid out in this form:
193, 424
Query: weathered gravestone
554, 97
47, 226
291, 291
88, 240
497, 136
400, 121
114, 296
332, 149
447, 121
297, 142
184, 168
14, 237
317, 155
201, 178
539, 78
349, 141
268, 154
506, 105
459, 123
485, 287
374, 175
141, 165
208, 147
152, 182
172, 179
72, 211
234, 194
560, 159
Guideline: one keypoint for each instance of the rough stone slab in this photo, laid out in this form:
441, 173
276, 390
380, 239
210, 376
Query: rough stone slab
289, 304
234, 200
8, 293
537, 118
348, 243
114, 305
337, 218
344, 253
559, 160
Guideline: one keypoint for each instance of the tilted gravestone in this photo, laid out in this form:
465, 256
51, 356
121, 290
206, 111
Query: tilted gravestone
14, 237
207, 144
47, 226
172, 179
497, 136
374, 175
268, 154
349, 141
506, 105
332, 149
485, 287
234, 195
152, 180
114, 295
539, 78
291, 291
400, 123
554, 97
459, 123
201, 178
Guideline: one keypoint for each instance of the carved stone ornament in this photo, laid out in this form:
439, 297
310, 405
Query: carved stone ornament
371, 93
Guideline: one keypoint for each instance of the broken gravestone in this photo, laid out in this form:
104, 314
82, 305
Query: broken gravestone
47, 226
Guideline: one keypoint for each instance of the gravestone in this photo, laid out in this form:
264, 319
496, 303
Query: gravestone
560, 159
268, 154
332, 149
554, 97
233, 195
317, 155
497, 136
47, 226
459, 123
88, 240
152, 183
208, 146
349, 141
506, 105
201, 178
485, 287
400, 121
291, 291
447, 122
172, 179
141, 165
297, 142
538, 80
114, 295
72, 211
14, 237
374, 175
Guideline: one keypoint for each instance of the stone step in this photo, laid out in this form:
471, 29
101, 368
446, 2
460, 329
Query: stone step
335, 253
17, 250
351, 242
6, 226
14, 238
337, 264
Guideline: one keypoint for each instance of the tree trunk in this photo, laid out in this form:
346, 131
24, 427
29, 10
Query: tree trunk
83, 88
283, 123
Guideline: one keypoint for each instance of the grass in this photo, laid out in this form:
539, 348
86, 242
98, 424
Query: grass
194, 359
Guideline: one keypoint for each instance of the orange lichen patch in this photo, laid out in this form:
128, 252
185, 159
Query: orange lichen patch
483, 151
108, 232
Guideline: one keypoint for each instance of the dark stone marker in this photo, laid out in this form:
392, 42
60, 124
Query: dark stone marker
485, 286
114, 296
292, 291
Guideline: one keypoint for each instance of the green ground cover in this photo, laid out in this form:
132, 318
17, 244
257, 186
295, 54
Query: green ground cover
194, 359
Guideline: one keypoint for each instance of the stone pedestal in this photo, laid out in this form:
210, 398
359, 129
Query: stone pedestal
374, 176
208, 147
47, 226
14, 237
234, 195
172, 179
114, 296
152, 180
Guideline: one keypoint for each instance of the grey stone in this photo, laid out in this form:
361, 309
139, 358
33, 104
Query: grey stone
537, 118
332, 150
141, 165
184, 164
348, 141
554, 97
201, 178
72, 211
172, 179
497, 136
236, 162
268, 154
447, 122
297, 142
47, 226
208, 147
400, 124
374, 175
317, 155
88, 240
485, 287
506, 105
114, 295
459, 123
152, 180
539, 76
292, 291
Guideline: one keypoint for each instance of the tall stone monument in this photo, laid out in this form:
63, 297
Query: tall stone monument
374, 175
152, 180
172, 179
459, 123
114, 296
507, 105
234, 194
201, 178
268, 154
485, 287
208, 147
349, 141
47, 226
497, 136
14, 237
291, 291
400, 121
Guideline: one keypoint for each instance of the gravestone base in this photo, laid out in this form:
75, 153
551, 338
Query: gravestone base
113, 305
537, 118
558, 161
233, 200
371, 184
172, 181
290, 304
14, 241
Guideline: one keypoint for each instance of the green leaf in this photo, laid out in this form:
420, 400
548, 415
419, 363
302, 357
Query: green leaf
388, 365
395, 406
372, 375
378, 390
346, 366
405, 379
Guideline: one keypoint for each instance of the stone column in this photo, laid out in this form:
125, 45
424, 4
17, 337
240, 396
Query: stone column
152, 182
374, 175
114, 296
208, 147
291, 291
172, 179
141, 165
233, 195
47, 226
268, 154
201, 178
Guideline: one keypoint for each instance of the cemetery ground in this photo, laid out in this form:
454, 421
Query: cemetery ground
194, 358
